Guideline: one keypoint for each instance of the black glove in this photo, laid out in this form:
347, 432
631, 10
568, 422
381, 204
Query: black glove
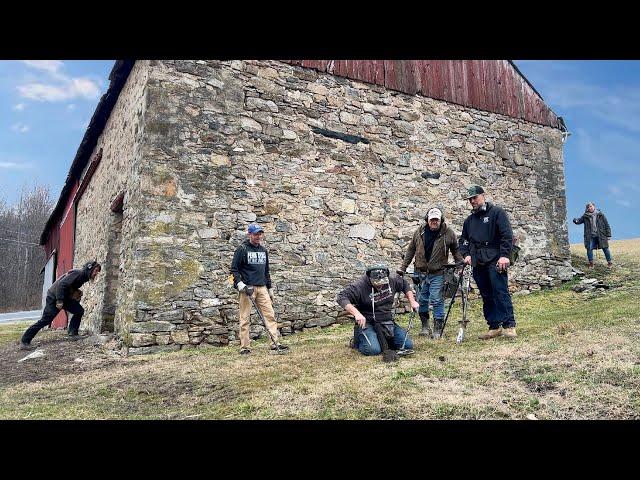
400, 272
249, 290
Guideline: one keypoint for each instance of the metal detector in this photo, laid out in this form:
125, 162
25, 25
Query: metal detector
465, 303
278, 350
404, 352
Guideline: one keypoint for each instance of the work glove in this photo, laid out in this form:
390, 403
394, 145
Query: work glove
242, 287
271, 295
76, 295
59, 304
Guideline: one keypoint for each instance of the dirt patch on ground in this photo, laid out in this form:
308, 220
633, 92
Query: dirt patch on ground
61, 356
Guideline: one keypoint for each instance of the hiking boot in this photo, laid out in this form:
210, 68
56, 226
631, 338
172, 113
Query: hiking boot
279, 347
610, 264
426, 327
352, 342
496, 332
245, 351
590, 265
26, 346
438, 323
510, 332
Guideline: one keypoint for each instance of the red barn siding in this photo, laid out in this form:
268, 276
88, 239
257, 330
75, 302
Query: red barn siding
66, 240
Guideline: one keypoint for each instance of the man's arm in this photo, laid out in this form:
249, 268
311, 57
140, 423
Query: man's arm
62, 286
578, 220
463, 241
505, 235
403, 286
607, 228
453, 246
411, 251
346, 299
238, 259
267, 275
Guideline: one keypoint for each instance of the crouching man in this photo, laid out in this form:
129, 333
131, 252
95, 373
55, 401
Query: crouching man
64, 294
370, 301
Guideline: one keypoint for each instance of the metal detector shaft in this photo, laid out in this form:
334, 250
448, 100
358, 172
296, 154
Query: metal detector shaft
444, 324
406, 334
365, 337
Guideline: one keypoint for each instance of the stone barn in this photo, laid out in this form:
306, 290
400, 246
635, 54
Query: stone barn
338, 160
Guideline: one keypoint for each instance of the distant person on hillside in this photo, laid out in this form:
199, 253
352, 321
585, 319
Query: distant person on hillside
64, 294
597, 232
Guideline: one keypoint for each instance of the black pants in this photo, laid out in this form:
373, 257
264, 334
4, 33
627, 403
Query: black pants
496, 300
49, 313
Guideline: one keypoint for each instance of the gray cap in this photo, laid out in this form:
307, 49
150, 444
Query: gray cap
474, 190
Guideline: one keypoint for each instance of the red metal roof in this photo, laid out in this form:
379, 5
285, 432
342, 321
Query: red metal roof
491, 85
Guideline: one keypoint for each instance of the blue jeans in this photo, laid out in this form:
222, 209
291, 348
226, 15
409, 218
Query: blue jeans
431, 294
374, 349
496, 300
593, 243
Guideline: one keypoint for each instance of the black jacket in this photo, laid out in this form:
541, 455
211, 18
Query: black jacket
486, 235
67, 283
251, 265
359, 293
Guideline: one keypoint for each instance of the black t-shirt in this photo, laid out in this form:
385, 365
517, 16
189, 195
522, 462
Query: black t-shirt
429, 240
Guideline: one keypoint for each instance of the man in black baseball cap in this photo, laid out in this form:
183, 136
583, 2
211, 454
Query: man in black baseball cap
486, 243
251, 276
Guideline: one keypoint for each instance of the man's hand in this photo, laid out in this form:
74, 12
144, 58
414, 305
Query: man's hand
249, 290
503, 263
400, 272
467, 260
271, 295
360, 319
415, 305
59, 304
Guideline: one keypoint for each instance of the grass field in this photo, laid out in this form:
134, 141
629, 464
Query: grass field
577, 356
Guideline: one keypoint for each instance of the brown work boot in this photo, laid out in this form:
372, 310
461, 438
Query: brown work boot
590, 264
610, 264
491, 334
510, 332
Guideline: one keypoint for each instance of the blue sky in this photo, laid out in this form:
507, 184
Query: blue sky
46, 105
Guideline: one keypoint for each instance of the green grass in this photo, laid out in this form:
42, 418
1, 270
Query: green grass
577, 356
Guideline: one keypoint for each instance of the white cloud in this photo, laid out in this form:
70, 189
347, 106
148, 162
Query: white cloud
51, 66
74, 88
14, 166
624, 203
71, 106
19, 107
20, 128
57, 86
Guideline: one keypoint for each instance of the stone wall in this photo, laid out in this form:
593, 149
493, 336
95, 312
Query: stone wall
231, 142
97, 225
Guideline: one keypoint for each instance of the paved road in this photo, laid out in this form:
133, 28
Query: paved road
20, 316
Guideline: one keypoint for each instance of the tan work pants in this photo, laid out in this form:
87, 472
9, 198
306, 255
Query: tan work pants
263, 302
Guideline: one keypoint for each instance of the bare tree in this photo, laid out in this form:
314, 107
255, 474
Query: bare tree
21, 257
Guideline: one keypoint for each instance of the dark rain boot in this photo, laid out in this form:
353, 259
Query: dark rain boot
426, 326
438, 323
